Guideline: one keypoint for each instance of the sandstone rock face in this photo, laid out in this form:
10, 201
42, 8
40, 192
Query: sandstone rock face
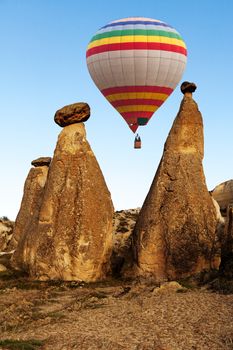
169, 287
223, 194
226, 267
5, 260
74, 113
175, 235
6, 232
73, 238
41, 161
29, 209
123, 225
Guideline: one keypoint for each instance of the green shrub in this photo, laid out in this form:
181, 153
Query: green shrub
12, 344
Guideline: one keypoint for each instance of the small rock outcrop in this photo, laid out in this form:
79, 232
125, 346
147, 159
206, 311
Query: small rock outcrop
71, 114
223, 194
6, 232
5, 260
175, 235
30, 207
169, 288
73, 236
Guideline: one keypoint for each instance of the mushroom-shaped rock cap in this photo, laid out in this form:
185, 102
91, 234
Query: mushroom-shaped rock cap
186, 86
42, 161
74, 113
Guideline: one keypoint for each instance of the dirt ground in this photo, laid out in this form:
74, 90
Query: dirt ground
114, 315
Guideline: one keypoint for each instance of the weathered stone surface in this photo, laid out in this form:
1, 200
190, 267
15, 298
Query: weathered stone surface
124, 222
29, 209
73, 238
223, 194
169, 287
74, 113
221, 221
2, 268
6, 232
187, 87
175, 235
42, 161
226, 267
5, 259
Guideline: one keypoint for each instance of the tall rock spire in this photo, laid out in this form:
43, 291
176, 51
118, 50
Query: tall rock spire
72, 239
175, 235
30, 205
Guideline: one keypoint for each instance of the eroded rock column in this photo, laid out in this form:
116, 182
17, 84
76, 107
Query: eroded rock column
28, 215
73, 240
175, 235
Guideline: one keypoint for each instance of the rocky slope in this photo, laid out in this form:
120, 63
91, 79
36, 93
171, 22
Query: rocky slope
114, 316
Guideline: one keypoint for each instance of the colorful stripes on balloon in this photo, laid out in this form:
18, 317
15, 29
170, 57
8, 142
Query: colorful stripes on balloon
135, 102
136, 63
136, 39
135, 46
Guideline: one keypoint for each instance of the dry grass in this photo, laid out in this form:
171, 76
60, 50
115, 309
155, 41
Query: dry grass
114, 315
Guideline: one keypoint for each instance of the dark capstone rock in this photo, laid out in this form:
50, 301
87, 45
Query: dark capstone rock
41, 161
74, 113
186, 86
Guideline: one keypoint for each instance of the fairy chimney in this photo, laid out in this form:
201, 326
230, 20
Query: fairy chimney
31, 201
175, 235
73, 237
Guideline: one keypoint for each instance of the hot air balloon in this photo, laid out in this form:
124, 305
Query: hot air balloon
136, 63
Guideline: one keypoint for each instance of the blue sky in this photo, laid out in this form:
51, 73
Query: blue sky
43, 68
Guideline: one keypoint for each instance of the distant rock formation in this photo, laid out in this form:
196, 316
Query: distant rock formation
226, 266
175, 235
72, 239
221, 221
6, 232
223, 194
30, 206
124, 222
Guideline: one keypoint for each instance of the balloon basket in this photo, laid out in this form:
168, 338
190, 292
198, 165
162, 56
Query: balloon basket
137, 142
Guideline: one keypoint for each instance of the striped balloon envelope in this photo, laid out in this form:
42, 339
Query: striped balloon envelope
136, 63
